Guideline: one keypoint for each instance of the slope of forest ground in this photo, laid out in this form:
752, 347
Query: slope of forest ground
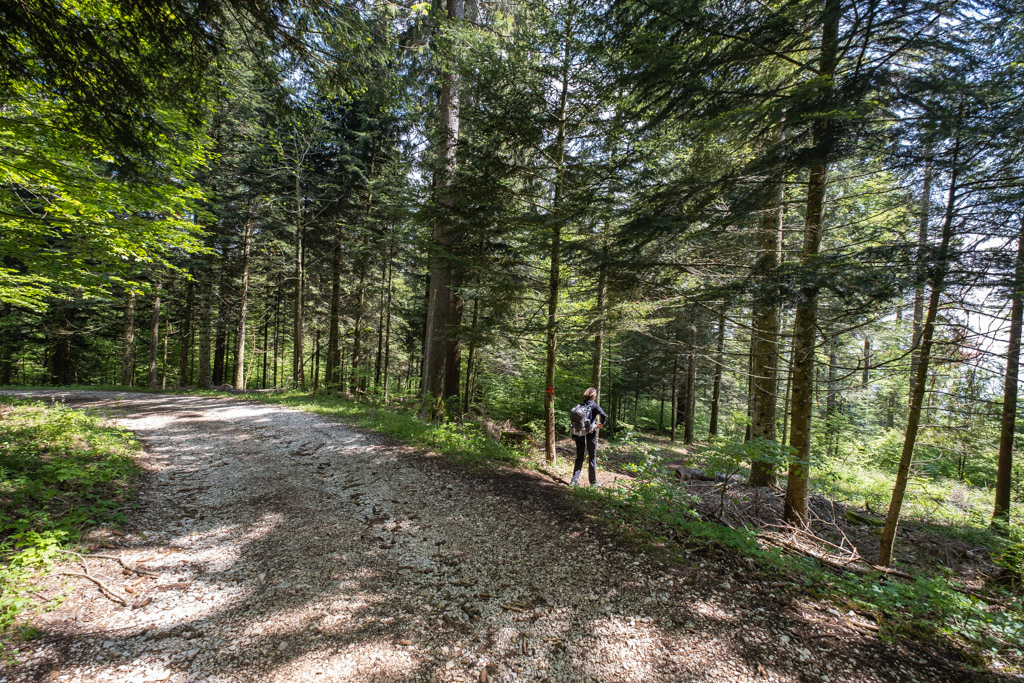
835, 616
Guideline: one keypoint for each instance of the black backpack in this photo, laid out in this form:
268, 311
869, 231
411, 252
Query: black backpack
581, 419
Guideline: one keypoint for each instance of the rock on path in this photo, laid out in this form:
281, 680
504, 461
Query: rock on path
286, 547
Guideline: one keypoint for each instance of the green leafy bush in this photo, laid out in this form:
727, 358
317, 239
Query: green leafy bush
63, 472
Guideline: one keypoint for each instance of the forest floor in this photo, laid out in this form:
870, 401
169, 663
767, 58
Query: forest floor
272, 544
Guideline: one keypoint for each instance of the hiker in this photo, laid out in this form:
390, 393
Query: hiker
584, 425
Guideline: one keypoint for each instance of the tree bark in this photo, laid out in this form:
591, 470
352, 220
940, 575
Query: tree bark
277, 331
154, 338
831, 385
556, 250
785, 401
1004, 473
387, 320
442, 349
765, 346
927, 330
205, 296
805, 324
59, 361
602, 293
316, 359
6, 351
357, 338
661, 408
186, 336
691, 397
298, 368
334, 322
866, 372
220, 346
673, 405
468, 394
716, 382
128, 345
243, 307
163, 367
378, 364
922, 242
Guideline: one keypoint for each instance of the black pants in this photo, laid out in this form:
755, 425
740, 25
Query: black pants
586, 445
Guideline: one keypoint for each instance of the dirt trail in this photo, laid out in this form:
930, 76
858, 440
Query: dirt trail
288, 547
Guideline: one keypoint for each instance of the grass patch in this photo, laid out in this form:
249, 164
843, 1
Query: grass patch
62, 472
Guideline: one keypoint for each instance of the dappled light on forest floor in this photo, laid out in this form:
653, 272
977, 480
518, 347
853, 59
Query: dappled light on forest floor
317, 552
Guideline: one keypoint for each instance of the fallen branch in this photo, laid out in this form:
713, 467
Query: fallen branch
119, 560
103, 587
88, 575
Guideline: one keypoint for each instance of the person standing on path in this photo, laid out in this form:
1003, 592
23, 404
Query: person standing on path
585, 436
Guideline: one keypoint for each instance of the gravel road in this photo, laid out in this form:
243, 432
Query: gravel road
280, 546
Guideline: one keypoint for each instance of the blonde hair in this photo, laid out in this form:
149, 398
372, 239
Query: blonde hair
590, 393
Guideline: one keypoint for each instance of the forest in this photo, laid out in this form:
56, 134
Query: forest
792, 232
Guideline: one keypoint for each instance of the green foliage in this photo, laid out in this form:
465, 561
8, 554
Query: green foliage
63, 472
1009, 555
731, 456
69, 220
930, 607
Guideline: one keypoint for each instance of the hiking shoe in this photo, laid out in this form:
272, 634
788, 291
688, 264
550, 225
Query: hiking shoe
574, 483
597, 484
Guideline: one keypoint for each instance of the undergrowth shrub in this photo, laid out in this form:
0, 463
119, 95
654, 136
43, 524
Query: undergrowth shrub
63, 472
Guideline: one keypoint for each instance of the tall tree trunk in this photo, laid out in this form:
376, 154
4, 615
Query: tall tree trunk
266, 347
866, 372
661, 409
556, 252
442, 350
316, 359
154, 338
602, 293
378, 363
128, 345
691, 396
765, 346
785, 402
1004, 473
387, 320
357, 331
60, 364
805, 324
610, 385
922, 243
833, 369
673, 408
220, 346
186, 336
163, 367
243, 307
682, 398
6, 351
334, 323
205, 302
298, 369
277, 331
716, 382
468, 395
927, 330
